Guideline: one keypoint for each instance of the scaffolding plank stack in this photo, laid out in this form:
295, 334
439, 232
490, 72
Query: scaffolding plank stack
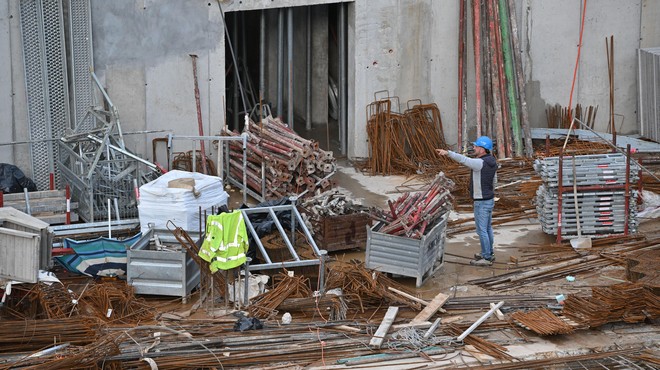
606, 201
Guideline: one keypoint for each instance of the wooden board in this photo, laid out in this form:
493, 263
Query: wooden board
377, 339
434, 306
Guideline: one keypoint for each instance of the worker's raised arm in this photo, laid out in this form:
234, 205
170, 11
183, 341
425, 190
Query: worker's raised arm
473, 163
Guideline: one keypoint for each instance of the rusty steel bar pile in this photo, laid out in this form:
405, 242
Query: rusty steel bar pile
561, 117
413, 214
542, 321
626, 302
280, 160
403, 143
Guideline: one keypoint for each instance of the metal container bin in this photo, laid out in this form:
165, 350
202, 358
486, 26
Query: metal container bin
418, 258
160, 272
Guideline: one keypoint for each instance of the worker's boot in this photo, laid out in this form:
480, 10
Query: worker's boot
478, 256
481, 262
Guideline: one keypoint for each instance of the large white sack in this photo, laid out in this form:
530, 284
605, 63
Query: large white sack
160, 203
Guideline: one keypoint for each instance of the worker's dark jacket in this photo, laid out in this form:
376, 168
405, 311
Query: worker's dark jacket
483, 176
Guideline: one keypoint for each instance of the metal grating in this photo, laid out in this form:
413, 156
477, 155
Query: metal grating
58, 94
649, 93
81, 61
35, 82
42, 31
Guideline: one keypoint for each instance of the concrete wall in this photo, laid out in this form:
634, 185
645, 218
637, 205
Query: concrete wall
407, 47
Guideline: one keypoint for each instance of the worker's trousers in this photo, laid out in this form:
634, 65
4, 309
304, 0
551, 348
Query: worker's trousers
483, 219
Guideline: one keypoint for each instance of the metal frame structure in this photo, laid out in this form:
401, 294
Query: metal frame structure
97, 165
289, 238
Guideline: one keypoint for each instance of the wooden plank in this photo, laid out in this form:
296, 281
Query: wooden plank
432, 308
411, 297
377, 339
35, 195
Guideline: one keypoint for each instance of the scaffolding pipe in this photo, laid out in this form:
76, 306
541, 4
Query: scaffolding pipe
308, 70
289, 49
510, 77
280, 59
234, 38
342, 79
262, 60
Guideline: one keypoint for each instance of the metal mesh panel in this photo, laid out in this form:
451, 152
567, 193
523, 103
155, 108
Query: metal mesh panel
35, 81
42, 30
58, 96
649, 94
82, 60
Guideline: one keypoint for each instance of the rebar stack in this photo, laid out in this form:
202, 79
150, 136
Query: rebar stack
606, 204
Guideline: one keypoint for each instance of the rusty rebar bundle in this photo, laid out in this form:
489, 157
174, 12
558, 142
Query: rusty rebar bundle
542, 321
626, 302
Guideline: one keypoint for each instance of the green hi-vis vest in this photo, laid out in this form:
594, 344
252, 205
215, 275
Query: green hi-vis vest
226, 241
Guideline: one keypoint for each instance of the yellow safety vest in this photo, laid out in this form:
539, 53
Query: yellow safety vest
226, 241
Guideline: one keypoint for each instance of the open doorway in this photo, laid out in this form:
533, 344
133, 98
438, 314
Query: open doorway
291, 63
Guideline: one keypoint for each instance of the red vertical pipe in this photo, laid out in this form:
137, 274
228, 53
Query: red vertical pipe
626, 210
500, 71
68, 205
51, 181
2, 199
560, 191
199, 113
461, 57
476, 33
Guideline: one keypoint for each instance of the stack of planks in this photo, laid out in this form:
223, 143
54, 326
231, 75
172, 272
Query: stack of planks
48, 205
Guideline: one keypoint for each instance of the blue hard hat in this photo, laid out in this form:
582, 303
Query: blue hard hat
484, 142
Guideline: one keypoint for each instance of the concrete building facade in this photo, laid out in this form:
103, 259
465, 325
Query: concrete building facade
403, 48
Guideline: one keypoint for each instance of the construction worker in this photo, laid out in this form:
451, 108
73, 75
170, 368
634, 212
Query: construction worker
482, 184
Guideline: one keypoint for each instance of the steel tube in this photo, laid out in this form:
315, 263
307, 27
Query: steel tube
280, 59
308, 70
342, 78
289, 49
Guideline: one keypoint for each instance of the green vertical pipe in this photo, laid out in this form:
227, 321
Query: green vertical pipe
510, 78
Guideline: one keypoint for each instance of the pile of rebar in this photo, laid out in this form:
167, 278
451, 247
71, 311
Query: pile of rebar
413, 214
626, 302
279, 161
265, 305
542, 321
403, 143
363, 288
561, 117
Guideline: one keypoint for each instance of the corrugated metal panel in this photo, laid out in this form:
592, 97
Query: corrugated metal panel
649, 93
405, 256
19, 253
14, 219
153, 272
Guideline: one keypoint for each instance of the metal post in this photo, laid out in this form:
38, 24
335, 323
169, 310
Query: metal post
236, 76
27, 202
342, 78
560, 190
289, 48
280, 59
308, 70
68, 203
262, 60
246, 300
323, 254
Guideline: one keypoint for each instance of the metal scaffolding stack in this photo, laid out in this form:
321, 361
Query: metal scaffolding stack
605, 200
104, 176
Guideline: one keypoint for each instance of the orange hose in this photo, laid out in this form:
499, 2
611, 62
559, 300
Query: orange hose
577, 60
